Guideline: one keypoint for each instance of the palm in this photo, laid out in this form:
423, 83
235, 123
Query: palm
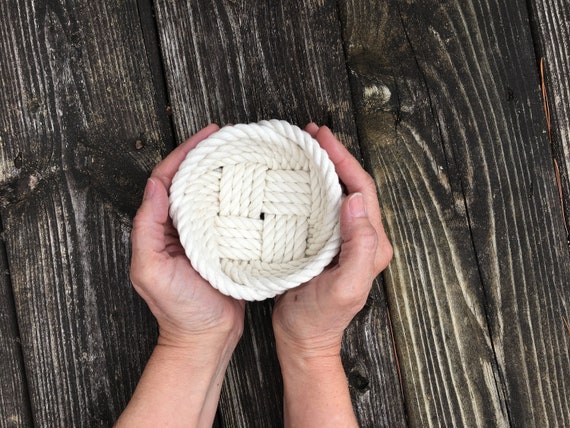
185, 295
307, 314
181, 300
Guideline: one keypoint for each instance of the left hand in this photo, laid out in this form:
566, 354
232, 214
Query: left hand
309, 320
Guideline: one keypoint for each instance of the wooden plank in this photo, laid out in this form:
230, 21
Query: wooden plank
14, 401
437, 306
85, 334
238, 61
478, 285
80, 91
81, 71
552, 42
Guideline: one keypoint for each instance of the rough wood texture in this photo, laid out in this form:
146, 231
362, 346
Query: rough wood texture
450, 119
456, 134
551, 19
14, 402
239, 61
84, 334
78, 93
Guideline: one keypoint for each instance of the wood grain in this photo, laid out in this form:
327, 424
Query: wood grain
368, 349
455, 133
238, 61
450, 120
14, 401
85, 335
230, 61
80, 91
79, 71
552, 43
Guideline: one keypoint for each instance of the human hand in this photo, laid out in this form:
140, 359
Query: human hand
190, 313
199, 326
309, 320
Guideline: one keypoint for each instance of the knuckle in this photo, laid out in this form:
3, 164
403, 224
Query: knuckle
366, 237
344, 295
369, 182
141, 273
352, 297
385, 255
135, 276
389, 253
137, 222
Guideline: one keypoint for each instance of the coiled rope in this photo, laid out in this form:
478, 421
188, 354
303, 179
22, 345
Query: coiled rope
257, 209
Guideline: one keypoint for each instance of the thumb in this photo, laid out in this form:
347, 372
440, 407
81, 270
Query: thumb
148, 224
355, 270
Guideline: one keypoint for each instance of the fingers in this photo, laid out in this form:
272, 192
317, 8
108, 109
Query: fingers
153, 212
356, 266
349, 170
312, 128
149, 241
356, 180
347, 167
166, 169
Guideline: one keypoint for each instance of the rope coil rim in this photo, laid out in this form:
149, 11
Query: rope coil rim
195, 207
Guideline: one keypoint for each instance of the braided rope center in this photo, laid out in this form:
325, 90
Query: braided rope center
263, 213
257, 207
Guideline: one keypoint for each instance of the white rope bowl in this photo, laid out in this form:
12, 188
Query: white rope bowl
257, 209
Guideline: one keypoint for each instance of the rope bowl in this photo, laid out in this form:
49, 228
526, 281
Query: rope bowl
257, 209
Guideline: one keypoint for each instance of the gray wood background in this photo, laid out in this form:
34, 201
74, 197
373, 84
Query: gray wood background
444, 104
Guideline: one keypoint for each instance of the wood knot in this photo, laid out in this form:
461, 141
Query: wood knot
358, 379
19, 161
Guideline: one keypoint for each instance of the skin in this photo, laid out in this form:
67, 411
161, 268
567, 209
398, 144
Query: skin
199, 327
309, 321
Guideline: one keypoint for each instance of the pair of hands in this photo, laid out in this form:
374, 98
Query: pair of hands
199, 327
308, 320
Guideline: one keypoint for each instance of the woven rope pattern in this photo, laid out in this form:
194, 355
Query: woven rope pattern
257, 209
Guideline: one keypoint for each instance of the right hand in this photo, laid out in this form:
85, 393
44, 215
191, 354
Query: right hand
190, 312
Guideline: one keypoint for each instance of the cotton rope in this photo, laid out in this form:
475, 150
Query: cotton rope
257, 209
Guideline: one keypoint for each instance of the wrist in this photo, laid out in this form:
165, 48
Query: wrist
182, 380
315, 389
213, 349
296, 358
202, 362
321, 346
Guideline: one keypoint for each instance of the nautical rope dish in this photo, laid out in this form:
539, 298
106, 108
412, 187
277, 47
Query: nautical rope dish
257, 209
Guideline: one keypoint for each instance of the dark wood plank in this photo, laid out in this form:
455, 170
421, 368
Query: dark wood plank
238, 61
368, 344
551, 36
80, 91
437, 306
449, 108
85, 334
14, 401
80, 71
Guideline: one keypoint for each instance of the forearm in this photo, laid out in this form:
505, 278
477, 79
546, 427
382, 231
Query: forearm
179, 387
315, 392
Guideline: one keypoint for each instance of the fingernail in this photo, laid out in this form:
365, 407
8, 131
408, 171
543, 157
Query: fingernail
356, 205
149, 189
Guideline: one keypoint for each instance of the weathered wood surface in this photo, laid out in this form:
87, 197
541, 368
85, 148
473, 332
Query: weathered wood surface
450, 112
14, 403
77, 92
240, 61
450, 122
551, 19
